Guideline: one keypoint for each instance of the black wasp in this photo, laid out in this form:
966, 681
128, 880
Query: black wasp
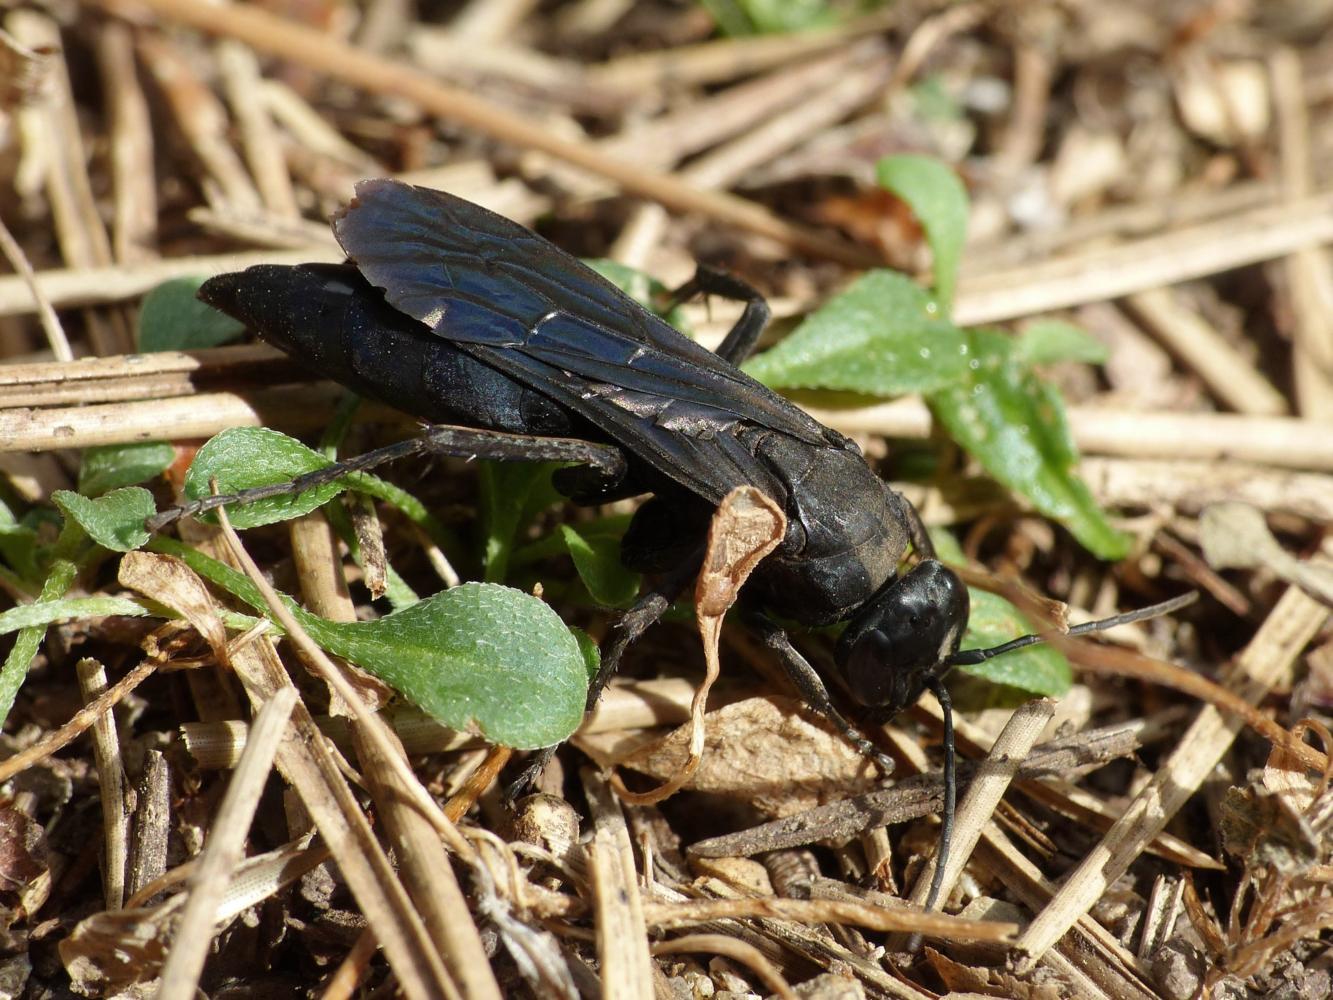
463, 318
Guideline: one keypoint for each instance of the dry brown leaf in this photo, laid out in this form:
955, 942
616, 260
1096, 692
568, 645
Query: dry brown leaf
169, 581
112, 949
1261, 828
767, 751
22, 850
957, 976
1236, 536
983, 980
746, 527
1279, 819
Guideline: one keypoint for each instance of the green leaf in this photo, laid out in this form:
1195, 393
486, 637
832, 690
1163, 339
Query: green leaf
597, 559
790, 16
109, 467
883, 335
114, 521
592, 655
42, 613
1046, 341
1014, 424
242, 457
173, 319
478, 657
57, 583
947, 549
643, 288
939, 201
18, 545
1039, 669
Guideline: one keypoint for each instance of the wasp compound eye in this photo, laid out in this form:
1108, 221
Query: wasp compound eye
865, 675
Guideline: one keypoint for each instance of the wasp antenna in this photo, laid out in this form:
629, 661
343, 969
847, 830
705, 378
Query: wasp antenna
1142, 614
970, 657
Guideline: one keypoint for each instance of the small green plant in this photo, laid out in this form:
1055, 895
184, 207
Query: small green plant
460, 654
885, 336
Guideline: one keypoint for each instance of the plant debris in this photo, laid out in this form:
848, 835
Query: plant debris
1061, 270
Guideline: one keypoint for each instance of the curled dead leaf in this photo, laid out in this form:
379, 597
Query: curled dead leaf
169, 581
23, 852
746, 527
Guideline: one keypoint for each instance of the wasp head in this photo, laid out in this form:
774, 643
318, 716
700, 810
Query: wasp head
904, 637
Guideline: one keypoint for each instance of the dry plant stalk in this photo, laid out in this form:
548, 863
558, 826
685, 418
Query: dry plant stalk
737, 113
269, 33
224, 850
1292, 624
305, 761
111, 781
985, 790
622, 934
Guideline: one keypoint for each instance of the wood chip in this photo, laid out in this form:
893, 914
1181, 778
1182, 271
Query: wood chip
622, 935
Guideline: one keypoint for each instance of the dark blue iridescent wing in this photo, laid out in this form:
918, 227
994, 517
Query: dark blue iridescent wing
527, 308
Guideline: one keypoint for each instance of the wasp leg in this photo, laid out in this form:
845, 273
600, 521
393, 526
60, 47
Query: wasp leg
812, 689
462, 442
916, 531
745, 334
635, 622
